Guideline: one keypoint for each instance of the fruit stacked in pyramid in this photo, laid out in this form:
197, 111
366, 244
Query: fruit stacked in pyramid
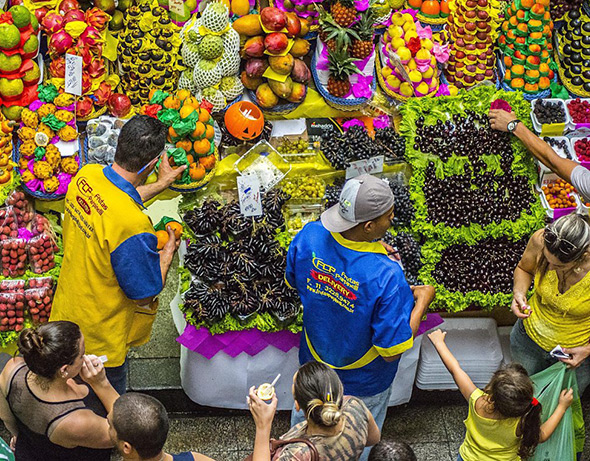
415, 55
526, 46
431, 9
574, 51
472, 35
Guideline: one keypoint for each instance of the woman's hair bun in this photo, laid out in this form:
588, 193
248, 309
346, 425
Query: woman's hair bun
30, 340
330, 414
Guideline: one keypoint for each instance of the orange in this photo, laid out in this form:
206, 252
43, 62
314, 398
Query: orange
162, 237
152, 91
431, 8
202, 147
527, 3
196, 171
185, 144
186, 110
204, 115
198, 131
176, 227
189, 158
183, 94
172, 133
192, 101
208, 162
210, 132
171, 103
416, 4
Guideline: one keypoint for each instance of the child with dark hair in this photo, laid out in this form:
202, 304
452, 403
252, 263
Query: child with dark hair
504, 420
138, 427
392, 451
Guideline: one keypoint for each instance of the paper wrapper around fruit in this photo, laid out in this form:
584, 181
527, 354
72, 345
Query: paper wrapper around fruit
360, 83
312, 15
37, 184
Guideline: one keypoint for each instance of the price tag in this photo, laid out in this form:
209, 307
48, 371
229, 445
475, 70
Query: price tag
73, 78
249, 195
552, 129
176, 6
367, 166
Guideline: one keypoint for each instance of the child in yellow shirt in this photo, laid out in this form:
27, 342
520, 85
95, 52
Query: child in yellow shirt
504, 420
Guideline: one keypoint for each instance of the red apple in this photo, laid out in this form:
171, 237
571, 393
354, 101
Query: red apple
460, 31
471, 15
460, 43
480, 46
119, 104
451, 68
482, 3
480, 77
489, 73
481, 35
469, 79
460, 74
460, 55
470, 4
471, 47
471, 68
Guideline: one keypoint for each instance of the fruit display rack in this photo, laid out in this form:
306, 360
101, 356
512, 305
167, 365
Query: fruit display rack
469, 183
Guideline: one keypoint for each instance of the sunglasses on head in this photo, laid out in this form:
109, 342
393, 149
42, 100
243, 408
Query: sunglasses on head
565, 247
146, 166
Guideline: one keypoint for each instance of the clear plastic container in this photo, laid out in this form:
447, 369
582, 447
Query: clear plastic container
299, 150
538, 125
263, 161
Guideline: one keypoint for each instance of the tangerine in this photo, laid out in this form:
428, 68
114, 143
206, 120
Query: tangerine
204, 115
208, 162
186, 110
198, 131
176, 227
210, 132
163, 238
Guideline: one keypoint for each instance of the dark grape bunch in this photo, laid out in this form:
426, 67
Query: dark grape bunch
484, 198
236, 262
332, 193
549, 112
409, 251
560, 144
355, 144
469, 135
560, 7
487, 266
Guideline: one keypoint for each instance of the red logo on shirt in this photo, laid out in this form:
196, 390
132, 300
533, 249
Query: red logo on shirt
335, 284
83, 186
83, 204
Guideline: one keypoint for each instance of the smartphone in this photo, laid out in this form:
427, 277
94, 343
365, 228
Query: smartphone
558, 353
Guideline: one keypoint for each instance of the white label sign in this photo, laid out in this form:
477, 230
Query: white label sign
176, 7
73, 80
367, 166
249, 195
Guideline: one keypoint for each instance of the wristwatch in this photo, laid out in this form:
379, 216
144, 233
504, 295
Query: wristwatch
512, 125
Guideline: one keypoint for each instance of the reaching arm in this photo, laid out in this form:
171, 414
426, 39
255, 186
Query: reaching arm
263, 415
461, 378
565, 400
166, 176
524, 275
542, 151
423, 295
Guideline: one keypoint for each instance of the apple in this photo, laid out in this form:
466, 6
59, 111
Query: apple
460, 43
481, 66
490, 62
481, 25
471, 15
451, 78
481, 35
460, 55
482, 56
471, 68
470, 4
483, 15
471, 58
480, 77
489, 52
488, 29
451, 68
460, 74
480, 46
470, 26
489, 73
471, 47
119, 104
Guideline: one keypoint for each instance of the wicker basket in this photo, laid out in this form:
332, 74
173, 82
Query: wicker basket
343, 104
195, 186
278, 110
39, 194
573, 91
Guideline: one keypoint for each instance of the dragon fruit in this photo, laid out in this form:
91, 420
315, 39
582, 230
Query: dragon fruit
103, 93
84, 107
86, 82
84, 51
59, 43
57, 68
97, 18
92, 39
67, 5
96, 68
73, 15
52, 23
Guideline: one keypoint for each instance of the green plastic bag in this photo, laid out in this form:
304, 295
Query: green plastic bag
5, 451
568, 439
163, 223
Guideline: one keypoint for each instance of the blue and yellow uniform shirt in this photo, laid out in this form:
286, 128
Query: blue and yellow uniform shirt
110, 260
356, 307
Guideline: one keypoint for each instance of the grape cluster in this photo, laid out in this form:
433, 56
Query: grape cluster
342, 148
403, 207
297, 151
487, 266
484, 198
332, 193
304, 187
469, 135
549, 112
392, 144
560, 144
236, 262
560, 7
409, 252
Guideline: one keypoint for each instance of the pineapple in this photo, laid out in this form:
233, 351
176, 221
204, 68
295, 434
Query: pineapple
344, 12
334, 36
341, 67
363, 47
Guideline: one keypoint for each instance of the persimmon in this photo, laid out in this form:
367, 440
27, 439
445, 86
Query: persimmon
208, 162
416, 4
430, 8
171, 103
197, 171
192, 102
185, 144
163, 238
444, 8
527, 3
202, 147
189, 158
172, 133
183, 94
198, 131
186, 110
209, 132
151, 93
204, 115
176, 227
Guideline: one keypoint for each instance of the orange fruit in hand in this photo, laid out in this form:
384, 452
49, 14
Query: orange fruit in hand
176, 227
162, 237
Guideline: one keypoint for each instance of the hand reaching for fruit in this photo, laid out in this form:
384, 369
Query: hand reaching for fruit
499, 119
520, 307
166, 174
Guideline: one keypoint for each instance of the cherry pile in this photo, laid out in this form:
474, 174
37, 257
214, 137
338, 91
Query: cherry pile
487, 266
549, 112
579, 111
582, 149
12, 310
469, 135
560, 7
560, 144
14, 257
236, 262
482, 198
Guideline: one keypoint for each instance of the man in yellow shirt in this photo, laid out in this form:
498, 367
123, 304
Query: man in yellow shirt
112, 271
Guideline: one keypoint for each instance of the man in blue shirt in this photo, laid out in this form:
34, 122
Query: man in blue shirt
359, 313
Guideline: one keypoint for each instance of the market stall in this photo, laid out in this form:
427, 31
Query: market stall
272, 106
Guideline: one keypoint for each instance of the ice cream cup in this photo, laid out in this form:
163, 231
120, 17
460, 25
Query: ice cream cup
266, 392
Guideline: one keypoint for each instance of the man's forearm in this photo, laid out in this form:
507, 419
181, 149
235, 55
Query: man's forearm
165, 263
149, 191
420, 308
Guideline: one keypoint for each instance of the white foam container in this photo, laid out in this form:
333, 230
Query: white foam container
538, 126
547, 177
572, 124
476, 345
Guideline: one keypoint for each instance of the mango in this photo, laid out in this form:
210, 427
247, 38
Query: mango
265, 97
248, 25
254, 47
300, 48
298, 93
252, 83
281, 89
282, 64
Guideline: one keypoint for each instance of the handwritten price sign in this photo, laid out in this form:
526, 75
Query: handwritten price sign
368, 166
73, 78
249, 195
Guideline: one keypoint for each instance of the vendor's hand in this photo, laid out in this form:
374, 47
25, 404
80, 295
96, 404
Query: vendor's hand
499, 119
166, 174
566, 398
579, 354
262, 412
390, 250
173, 243
520, 306
437, 337
92, 371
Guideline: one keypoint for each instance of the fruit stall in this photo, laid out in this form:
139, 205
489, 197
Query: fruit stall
272, 106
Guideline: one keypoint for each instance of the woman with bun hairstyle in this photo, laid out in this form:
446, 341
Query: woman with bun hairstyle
43, 406
339, 426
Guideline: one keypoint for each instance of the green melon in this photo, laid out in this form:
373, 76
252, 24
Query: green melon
9, 36
21, 17
31, 44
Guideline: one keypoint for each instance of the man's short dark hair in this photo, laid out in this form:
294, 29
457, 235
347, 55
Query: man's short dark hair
392, 451
141, 139
141, 421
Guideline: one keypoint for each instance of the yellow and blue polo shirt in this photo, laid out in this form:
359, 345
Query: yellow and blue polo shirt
356, 307
110, 260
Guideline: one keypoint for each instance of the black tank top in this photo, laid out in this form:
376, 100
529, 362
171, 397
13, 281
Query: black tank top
36, 420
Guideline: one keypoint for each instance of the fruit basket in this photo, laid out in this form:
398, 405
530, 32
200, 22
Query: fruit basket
433, 13
196, 185
550, 109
